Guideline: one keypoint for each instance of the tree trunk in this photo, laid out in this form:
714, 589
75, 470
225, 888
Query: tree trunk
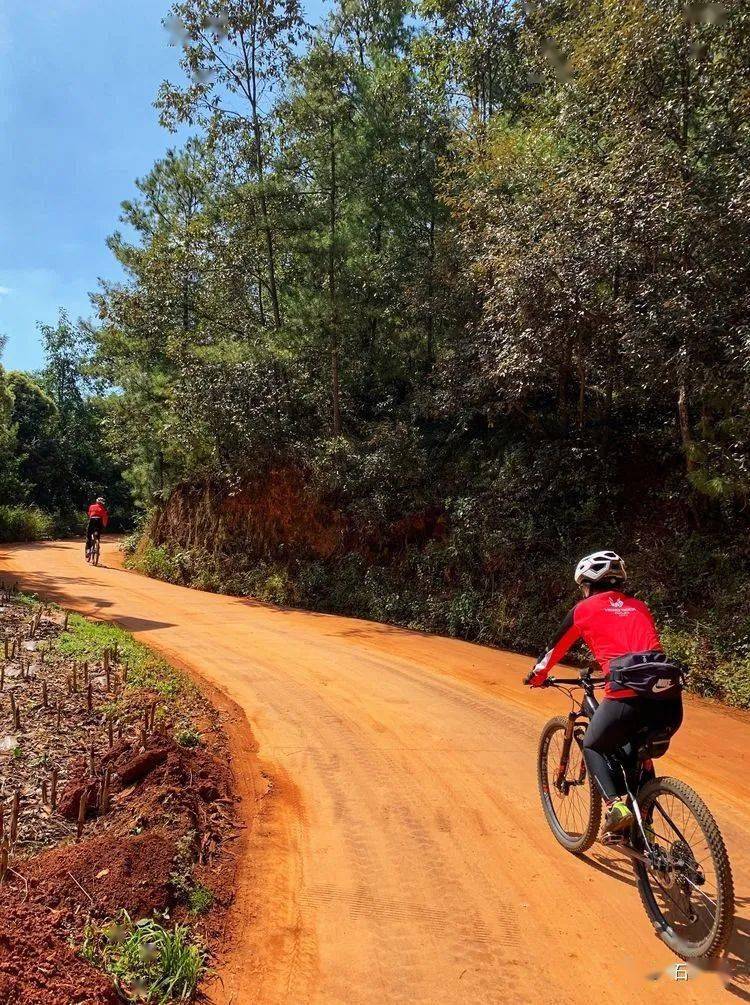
333, 316
685, 432
335, 397
266, 226
581, 383
430, 288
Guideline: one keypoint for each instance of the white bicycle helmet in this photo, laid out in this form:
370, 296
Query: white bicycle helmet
600, 565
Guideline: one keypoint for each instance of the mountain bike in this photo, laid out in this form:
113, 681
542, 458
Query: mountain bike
681, 865
92, 553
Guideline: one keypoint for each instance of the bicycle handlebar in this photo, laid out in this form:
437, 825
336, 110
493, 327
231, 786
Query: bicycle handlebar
575, 682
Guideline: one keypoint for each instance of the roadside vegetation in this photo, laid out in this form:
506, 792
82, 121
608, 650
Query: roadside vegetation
154, 963
53, 462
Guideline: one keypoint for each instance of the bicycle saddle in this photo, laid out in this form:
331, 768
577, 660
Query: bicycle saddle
651, 743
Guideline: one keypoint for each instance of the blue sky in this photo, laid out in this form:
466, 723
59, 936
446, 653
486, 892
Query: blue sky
77, 126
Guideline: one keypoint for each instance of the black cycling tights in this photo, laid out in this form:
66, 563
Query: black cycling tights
614, 723
94, 527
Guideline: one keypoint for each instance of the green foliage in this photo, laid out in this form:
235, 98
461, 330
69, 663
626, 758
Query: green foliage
145, 959
200, 899
24, 523
188, 737
88, 640
53, 454
158, 562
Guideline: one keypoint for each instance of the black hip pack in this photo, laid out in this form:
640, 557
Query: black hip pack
651, 674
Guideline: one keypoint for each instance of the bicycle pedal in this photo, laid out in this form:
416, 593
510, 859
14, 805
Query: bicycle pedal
613, 839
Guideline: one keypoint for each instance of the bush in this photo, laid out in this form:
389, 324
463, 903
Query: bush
200, 899
158, 562
25, 523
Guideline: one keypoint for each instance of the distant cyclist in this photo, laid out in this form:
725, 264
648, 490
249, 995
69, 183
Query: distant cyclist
98, 520
620, 632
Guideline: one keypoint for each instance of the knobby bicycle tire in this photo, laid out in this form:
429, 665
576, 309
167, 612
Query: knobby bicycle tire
579, 841
714, 943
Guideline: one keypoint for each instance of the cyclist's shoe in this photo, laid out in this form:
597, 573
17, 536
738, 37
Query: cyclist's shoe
618, 818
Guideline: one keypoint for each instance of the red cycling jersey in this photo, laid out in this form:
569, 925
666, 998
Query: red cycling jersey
611, 624
99, 512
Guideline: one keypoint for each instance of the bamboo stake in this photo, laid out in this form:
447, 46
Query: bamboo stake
59, 714
82, 807
3, 860
65, 622
110, 732
15, 807
90, 698
104, 799
53, 789
45, 701
44, 792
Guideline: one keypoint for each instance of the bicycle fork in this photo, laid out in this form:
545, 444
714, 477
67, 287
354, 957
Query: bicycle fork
562, 767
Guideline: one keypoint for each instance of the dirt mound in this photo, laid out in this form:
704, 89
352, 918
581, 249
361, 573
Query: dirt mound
105, 874
38, 967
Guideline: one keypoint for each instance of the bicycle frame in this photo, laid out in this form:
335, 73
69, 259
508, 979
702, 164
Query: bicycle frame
584, 710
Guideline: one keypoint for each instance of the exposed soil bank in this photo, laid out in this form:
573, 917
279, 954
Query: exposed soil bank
282, 539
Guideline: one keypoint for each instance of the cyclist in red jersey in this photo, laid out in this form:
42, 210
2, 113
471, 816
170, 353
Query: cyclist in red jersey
98, 520
613, 625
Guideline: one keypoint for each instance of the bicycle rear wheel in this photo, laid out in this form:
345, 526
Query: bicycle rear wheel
95, 551
573, 808
689, 898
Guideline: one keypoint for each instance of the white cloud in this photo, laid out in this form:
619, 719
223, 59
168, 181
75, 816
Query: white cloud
5, 290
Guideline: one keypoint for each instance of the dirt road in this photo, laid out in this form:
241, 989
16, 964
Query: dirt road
398, 852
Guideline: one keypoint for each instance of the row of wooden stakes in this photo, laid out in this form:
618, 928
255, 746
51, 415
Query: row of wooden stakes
9, 835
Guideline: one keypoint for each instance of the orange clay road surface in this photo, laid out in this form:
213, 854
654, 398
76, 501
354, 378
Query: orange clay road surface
396, 849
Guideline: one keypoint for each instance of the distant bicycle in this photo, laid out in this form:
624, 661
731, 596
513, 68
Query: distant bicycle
681, 864
98, 516
93, 550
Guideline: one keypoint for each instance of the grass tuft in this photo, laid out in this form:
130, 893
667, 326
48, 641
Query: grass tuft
146, 960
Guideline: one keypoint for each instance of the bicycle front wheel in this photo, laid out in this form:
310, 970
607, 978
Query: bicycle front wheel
688, 893
572, 805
